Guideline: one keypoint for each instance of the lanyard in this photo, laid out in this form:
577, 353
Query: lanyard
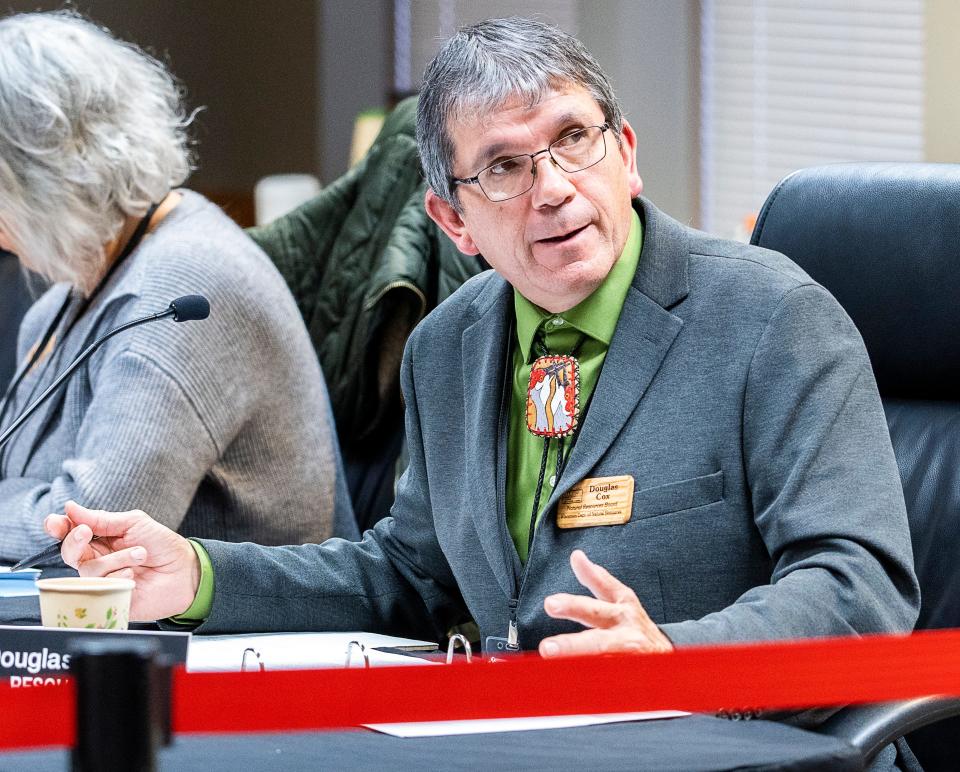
84, 305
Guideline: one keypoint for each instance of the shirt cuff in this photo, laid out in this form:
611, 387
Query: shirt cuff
203, 601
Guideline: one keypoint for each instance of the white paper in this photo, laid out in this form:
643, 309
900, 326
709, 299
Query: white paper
18, 584
18, 589
484, 726
291, 651
23, 573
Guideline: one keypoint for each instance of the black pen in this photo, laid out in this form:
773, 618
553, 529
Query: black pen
52, 551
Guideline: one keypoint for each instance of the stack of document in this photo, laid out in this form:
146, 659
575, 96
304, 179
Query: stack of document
291, 651
486, 726
18, 583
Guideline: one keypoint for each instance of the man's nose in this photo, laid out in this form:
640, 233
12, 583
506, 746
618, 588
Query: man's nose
551, 185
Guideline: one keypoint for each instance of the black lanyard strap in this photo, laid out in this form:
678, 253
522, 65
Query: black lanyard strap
541, 349
132, 243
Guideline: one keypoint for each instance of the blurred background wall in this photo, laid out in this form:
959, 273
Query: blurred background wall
253, 65
282, 82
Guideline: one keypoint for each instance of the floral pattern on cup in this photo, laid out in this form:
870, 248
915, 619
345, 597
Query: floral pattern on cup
110, 622
87, 603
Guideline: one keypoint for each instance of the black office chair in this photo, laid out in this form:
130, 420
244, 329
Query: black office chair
15, 299
885, 240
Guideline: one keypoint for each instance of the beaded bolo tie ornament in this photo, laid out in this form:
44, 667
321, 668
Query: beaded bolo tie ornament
553, 409
553, 396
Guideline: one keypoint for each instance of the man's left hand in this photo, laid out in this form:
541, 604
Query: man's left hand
617, 620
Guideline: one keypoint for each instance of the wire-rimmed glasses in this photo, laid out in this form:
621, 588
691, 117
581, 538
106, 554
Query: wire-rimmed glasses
512, 177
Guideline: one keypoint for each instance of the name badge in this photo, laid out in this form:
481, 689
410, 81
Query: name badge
597, 501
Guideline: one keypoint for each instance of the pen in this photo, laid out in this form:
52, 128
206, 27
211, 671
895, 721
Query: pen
52, 551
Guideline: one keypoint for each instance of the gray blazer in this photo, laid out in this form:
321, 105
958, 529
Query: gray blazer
738, 395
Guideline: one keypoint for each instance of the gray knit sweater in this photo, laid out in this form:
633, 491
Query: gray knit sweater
218, 428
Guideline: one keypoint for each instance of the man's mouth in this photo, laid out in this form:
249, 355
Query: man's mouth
564, 237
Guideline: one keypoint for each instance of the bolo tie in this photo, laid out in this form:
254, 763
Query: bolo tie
553, 410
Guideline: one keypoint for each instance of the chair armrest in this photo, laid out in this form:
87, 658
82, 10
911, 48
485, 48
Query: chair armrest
870, 728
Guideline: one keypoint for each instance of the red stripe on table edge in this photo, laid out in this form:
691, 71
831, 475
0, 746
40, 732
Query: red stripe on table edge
780, 675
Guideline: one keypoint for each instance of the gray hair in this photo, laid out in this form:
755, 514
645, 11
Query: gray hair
483, 66
92, 130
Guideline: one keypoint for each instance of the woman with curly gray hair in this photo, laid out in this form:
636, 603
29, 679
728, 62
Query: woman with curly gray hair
223, 427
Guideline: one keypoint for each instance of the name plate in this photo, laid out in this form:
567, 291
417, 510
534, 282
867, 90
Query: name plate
40, 656
596, 501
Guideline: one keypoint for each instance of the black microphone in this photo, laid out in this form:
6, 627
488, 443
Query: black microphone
183, 309
190, 308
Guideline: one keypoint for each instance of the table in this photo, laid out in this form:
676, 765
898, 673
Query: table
691, 744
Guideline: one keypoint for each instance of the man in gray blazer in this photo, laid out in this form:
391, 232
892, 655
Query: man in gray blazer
687, 427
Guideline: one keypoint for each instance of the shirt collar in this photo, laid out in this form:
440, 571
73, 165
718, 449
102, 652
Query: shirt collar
598, 313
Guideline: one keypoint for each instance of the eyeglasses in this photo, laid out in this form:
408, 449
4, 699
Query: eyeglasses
514, 176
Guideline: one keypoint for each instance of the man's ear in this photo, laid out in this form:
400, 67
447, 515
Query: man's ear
450, 222
628, 151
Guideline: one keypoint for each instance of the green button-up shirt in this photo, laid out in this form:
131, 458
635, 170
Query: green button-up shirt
587, 327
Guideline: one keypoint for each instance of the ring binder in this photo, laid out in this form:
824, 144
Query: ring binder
363, 651
254, 661
454, 640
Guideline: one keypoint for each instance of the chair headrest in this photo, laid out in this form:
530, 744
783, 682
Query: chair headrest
885, 240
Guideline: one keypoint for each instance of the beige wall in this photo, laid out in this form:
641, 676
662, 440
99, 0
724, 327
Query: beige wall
649, 49
942, 103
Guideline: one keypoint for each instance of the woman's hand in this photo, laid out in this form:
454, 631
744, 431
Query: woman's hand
131, 545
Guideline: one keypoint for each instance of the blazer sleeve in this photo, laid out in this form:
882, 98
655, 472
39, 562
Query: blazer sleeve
396, 580
824, 486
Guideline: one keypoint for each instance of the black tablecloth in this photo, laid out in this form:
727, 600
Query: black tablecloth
689, 744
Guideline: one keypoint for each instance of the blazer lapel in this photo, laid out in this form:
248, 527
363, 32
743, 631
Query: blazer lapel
644, 334
484, 353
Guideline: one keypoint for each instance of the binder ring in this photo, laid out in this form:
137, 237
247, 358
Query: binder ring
248, 663
363, 651
454, 640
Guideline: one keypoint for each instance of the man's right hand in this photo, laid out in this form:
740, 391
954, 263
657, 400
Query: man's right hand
131, 545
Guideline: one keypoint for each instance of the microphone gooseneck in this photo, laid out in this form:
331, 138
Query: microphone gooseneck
183, 309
